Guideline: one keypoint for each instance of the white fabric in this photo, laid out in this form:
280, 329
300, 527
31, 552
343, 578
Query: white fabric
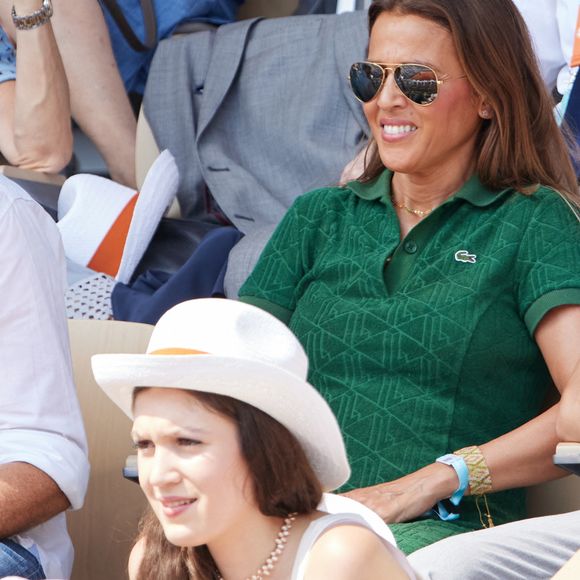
345, 6
40, 420
552, 24
532, 549
345, 511
157, 194
90, 298
89, 205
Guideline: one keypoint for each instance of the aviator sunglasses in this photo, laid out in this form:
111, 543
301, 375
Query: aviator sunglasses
418, 82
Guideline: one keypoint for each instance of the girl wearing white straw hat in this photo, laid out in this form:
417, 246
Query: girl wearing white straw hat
235, 449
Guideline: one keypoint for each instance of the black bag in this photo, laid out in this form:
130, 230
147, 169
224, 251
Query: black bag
174, 242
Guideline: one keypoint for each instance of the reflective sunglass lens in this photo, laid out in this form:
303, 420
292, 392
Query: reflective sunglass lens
365, 80
418, 83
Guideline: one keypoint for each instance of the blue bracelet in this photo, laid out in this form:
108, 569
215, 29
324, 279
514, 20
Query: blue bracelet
460, 467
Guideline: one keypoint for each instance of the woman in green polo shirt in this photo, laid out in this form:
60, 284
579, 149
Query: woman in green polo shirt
438, 296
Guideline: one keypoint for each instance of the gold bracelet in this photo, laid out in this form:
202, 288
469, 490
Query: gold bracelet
479, 475
34, 20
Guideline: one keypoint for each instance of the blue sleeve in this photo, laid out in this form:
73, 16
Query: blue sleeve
7, 59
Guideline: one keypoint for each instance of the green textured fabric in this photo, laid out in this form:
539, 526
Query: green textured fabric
434, 351
413, 536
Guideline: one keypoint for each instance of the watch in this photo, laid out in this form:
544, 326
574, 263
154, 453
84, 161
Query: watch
34, 20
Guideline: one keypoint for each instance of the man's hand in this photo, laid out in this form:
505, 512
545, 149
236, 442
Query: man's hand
28, 497
411, 496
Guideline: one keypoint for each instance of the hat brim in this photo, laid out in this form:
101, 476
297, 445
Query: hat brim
291, 401
157, 193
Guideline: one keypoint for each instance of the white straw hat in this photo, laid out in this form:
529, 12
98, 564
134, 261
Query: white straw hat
230, 348
107, 226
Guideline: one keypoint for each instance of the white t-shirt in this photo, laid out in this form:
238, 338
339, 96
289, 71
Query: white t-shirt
40, 419
345, 511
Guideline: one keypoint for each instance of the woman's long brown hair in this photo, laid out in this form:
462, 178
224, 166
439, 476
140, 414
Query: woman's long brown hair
281, 477
521, 146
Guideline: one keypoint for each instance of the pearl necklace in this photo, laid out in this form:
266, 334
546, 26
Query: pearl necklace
411, 210
279, 544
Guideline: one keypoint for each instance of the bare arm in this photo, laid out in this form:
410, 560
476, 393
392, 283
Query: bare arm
568, 420
28, 497
519, 458
35, 131
135, 558
98, 99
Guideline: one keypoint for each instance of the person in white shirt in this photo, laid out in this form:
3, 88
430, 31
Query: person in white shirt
43, 452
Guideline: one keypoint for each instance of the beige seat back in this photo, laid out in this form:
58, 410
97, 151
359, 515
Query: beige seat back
104, 529
554, 497
571, 571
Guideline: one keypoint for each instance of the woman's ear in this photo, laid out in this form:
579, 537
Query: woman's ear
484, 109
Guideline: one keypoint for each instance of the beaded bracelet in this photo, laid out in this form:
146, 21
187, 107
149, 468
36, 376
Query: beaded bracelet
479, 475
479, 480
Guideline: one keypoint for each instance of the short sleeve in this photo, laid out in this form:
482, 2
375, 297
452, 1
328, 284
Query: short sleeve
7, 59
40, 422
275, 281
548, 262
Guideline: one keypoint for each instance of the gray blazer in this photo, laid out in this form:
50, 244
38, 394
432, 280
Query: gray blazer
258, 112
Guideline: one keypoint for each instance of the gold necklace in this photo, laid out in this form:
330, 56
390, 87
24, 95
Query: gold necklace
279, 544
411, 210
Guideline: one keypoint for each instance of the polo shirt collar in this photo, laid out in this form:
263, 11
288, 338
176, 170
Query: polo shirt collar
472, 190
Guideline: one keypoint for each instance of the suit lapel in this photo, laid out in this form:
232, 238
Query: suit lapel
229, 47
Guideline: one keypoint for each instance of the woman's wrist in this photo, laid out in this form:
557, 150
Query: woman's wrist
440, 481
31, 14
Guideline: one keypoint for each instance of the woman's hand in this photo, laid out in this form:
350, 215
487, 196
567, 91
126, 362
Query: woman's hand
411, 496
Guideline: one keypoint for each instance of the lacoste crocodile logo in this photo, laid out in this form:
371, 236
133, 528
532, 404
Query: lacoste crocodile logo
465, 256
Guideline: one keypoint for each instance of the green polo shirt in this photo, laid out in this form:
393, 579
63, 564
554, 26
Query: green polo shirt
425, 345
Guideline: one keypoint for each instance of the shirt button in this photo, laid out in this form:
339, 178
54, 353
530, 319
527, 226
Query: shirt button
410, 247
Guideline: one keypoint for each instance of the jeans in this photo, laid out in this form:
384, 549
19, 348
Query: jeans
17, 561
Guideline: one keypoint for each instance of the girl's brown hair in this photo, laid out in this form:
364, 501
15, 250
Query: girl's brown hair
282, 482
521, 146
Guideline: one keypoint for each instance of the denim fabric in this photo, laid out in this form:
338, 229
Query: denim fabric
7, 59
170, 14
17, 561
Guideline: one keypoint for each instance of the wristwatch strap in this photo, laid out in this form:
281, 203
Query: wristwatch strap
460, 467
34, 20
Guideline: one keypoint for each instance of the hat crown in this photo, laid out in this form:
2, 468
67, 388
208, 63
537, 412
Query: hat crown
229, 328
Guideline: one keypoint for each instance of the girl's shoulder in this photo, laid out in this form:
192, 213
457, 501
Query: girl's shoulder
344, 547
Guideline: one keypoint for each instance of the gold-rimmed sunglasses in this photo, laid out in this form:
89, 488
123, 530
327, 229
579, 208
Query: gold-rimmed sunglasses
417, 82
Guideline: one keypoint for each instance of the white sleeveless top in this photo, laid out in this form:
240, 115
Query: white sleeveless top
349, 512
